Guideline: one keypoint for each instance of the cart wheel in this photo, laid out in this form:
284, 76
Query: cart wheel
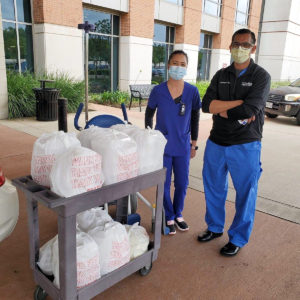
39, 294
145, 270
133, 203
153, 226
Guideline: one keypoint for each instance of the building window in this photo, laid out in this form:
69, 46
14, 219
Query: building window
163, 46
204, 56
103, 51
17, 34
212, 7
242, 12
178, 2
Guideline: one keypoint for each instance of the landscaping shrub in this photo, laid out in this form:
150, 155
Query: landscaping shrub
21, 98
202, 87
111, 98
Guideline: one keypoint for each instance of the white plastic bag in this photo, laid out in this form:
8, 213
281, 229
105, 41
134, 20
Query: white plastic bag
45, 257
87, 135
138, 239
126, 128
113, 245
9, 207
119, 153
76, 171
45, 151
89, 219
150, 145
88, 266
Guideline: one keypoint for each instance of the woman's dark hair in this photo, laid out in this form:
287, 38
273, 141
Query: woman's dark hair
178, 52
245, 31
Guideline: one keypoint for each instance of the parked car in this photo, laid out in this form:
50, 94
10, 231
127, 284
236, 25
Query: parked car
285, 101
9, 207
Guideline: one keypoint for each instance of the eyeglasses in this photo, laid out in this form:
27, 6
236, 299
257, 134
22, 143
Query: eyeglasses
244, 45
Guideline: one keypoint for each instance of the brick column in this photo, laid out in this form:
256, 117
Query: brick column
220, 56
56, 40
189, 32
254, 16
136, 43
139, 21
223, 39
187, 36
66, 13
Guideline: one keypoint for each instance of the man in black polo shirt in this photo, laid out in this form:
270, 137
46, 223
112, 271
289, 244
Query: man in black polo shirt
236, 97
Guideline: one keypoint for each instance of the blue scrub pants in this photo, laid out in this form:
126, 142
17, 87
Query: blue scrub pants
243, 164
180, 167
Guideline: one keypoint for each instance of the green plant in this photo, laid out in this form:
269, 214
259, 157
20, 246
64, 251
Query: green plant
275, 84
69, 88
21, 98
202, 87
111, 98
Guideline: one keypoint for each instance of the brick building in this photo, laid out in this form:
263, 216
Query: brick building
133, 38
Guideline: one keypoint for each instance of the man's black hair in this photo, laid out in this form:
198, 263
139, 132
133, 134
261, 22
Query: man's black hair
245, 31
178, 52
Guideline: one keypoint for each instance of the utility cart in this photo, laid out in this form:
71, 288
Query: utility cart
66, 210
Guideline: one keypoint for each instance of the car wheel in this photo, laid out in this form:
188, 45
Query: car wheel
298, 118
271, 116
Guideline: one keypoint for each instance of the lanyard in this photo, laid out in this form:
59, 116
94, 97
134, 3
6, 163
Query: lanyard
243, 72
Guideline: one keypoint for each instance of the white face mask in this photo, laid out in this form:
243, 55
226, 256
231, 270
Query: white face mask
240, 55
177, 72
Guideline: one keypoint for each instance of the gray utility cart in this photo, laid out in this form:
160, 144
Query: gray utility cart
66, 210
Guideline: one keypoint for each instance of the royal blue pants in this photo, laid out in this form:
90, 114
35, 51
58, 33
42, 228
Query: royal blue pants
180, 166
243, 164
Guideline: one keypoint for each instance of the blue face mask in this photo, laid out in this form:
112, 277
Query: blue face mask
176, 72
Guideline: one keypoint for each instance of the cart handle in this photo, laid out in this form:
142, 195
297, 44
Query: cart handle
79, 110
124, 112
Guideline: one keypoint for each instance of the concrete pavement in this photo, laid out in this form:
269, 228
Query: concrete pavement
279, 188
267, 268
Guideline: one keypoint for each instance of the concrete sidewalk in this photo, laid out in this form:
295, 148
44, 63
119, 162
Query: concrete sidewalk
267, 268
279, 184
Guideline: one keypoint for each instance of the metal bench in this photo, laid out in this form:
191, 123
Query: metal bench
140, 91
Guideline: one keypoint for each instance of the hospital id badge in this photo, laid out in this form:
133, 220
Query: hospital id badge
182, 109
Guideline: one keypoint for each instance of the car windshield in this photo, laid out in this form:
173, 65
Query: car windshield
296, 83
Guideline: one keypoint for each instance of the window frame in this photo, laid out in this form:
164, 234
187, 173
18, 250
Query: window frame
16, 22
167, 44
207, 51
112, 36
178, 2
219, 3
247, 13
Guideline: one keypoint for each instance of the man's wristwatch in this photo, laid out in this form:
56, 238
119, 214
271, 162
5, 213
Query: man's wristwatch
194, 147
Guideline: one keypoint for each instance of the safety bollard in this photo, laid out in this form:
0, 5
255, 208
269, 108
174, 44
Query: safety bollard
62, 114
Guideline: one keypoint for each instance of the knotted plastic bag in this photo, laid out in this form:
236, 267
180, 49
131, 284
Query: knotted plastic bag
150, 145
76, 171
138, 239
119, 153
45, 152
91, 218
113, 245
87, 256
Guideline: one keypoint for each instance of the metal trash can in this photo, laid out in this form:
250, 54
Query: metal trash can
46, 102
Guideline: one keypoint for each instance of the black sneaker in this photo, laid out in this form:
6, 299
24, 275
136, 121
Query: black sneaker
181, 224
171, 226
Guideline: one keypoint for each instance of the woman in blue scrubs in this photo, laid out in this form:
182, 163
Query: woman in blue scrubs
178, 104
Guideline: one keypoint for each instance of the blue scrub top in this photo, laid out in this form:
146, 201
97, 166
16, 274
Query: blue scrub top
175, 128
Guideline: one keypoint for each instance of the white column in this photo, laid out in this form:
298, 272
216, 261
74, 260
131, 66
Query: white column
58, 49
280, 40
192, 53
220, 58
135, 61
3, 81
